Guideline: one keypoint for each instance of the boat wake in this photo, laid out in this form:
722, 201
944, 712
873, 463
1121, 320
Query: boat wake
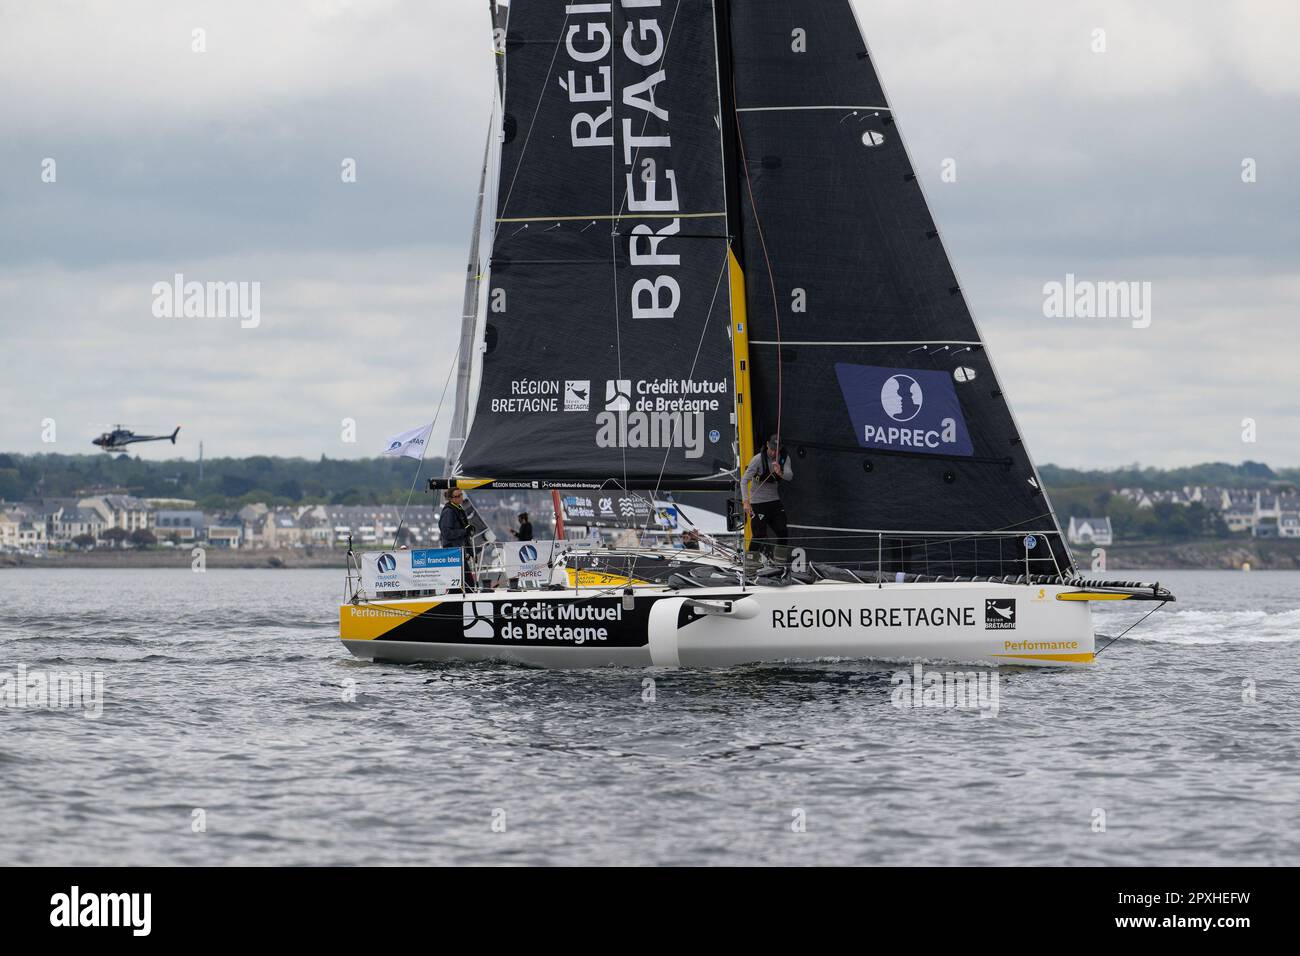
1216, 627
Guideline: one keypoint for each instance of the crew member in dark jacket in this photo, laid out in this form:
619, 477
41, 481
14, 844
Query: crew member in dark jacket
525, 532
453, 527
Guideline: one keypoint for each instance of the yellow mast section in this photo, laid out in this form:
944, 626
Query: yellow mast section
740, 371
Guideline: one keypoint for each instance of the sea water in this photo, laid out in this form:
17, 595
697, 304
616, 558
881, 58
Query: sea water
232, 727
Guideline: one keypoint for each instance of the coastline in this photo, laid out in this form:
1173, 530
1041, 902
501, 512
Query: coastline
1212, 554
265, 558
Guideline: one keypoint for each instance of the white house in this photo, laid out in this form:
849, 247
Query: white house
73, 522
19, 530
121, 511
185, 526
1240, 517
10, 521
1268, 509
225, 533
281, 529
1090, 531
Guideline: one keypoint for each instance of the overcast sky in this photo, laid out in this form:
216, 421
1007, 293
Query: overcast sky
225, 165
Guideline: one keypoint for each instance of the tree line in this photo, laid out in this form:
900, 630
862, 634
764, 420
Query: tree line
227, 483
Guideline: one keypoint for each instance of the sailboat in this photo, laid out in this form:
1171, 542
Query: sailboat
699, 227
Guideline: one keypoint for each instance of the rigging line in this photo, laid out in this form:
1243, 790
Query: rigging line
1129, 628
767, 259
523, 150
699, 346
809, 342
401, 520
613, 245
613, 237
957, 537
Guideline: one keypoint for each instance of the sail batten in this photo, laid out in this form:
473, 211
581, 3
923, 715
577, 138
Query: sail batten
616, 217
784, 109
926, 342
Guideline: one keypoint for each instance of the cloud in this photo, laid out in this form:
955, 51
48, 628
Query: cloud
225, 165
367, 337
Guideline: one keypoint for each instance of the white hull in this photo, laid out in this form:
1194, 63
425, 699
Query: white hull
968, 623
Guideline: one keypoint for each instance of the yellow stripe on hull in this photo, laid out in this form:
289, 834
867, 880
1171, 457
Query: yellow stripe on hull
369, 622
599, 579
1085, 658
469, 484
1092, 596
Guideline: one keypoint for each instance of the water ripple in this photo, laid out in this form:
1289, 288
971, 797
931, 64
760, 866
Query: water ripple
228, 697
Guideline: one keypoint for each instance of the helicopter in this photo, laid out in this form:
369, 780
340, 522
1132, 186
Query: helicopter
120, 437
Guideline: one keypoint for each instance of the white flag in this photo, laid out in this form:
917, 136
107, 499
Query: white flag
411, 444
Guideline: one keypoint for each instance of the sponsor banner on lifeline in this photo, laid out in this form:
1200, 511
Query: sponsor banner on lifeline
529, 562
616, 511
419, 570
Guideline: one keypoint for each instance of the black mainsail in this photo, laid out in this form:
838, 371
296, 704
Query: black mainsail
606, 354
865, 356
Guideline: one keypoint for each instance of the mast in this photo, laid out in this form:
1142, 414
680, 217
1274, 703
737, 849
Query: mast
472, 325
468, 323
736, 230
728, 119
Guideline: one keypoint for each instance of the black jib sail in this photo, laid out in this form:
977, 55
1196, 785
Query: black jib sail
606, 354
864, 353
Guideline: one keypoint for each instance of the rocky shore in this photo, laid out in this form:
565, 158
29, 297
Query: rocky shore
1216, 554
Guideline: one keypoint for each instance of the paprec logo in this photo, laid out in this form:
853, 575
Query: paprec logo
901, 397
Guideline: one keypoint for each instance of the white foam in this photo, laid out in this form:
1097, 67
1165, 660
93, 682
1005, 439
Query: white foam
1169, 626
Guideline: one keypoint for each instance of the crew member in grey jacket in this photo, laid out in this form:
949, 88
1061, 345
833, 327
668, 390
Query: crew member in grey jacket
765, 471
